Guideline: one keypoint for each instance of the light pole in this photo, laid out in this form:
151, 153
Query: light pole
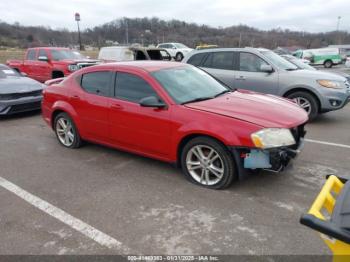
77, 18
339, 17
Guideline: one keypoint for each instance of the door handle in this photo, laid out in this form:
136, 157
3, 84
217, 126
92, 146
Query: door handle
116, 106
240, 77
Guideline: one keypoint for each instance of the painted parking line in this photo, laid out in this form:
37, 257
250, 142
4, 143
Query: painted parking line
75, 223
327, 143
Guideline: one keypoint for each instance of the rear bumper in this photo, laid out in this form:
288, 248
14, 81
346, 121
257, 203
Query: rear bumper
9, 107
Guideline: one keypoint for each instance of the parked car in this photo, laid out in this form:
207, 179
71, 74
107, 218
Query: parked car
298, 62
264, 71
127, 53
176, 50
176, 113
17, 92
44, 63
322, 56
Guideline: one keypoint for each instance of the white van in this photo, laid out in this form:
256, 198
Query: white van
321, 56
115, 53
127, 53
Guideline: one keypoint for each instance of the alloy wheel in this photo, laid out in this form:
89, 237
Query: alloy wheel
65, 131
303, 103
205, 165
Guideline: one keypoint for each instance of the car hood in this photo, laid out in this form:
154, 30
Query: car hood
315, 74
72, 61
12, 85
260, 109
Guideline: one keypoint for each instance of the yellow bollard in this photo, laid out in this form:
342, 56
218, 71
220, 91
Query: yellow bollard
330, 216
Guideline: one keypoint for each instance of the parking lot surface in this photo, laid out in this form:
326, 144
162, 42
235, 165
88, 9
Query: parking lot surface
147, 206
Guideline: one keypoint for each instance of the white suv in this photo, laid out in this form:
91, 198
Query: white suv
176, 50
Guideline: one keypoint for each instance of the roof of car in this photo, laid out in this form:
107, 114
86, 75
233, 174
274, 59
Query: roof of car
146, 65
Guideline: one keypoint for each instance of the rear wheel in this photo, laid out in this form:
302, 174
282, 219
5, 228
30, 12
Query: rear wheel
208, 163
66, 131
328, 64
179, 57
306, 101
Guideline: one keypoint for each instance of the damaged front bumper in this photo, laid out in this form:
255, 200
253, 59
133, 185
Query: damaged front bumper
275, 159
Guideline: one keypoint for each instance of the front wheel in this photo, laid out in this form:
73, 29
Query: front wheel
66, 131
208, 163
307, 102
328, 64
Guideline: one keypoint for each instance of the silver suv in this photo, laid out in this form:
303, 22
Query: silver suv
264, 71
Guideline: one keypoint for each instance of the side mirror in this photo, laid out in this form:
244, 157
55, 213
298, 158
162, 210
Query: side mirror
152, 101
23, 74
266, 68
174, 47
43, 58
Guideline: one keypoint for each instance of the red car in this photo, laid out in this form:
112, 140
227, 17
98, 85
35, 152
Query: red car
44, 63
176, 113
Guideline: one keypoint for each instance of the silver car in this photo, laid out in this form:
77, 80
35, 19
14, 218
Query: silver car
264, 71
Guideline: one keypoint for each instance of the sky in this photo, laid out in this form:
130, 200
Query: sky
300, 15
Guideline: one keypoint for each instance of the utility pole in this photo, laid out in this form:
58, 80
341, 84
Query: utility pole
77, 18
339, 17
127, 31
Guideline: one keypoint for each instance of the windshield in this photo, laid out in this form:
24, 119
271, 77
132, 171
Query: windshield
8, 72
58, 55
279, 61
178, 45
186, 84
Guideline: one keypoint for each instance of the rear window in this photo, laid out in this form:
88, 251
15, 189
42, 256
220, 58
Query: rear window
31, 54
220, 60
97, 83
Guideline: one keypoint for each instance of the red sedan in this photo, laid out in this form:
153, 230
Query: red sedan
176, 113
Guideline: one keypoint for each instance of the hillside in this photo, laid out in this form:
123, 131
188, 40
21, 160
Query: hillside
154, 30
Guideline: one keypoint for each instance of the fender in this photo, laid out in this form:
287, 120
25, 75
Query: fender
298, 86
67, 108
227, 133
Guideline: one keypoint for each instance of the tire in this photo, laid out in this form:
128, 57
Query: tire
328, 64
66, 140
223, 163
301, 97
57, 74
179, 57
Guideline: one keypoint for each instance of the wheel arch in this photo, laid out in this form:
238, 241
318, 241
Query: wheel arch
56, 73
184, 140
63, 107
302, 89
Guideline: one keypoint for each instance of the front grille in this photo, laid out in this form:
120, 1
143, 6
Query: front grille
25, 107
14, 96
82, 65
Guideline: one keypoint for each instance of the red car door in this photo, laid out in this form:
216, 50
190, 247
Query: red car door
43, 67
91, 102
143, 129
29, 63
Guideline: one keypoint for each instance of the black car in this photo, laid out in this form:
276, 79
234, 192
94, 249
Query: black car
17, 92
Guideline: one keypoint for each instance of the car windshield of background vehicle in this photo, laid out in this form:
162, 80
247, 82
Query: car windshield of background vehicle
300, 64
178, 45
7, 72
58, 55
279, 61
188, 84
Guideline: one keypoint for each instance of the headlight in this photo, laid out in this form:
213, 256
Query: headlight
272, 137
330, 84
73, 68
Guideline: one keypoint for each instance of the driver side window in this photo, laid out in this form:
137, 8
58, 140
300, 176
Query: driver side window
132, 88
250, 62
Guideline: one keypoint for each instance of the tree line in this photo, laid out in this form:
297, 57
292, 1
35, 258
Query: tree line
151, 31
